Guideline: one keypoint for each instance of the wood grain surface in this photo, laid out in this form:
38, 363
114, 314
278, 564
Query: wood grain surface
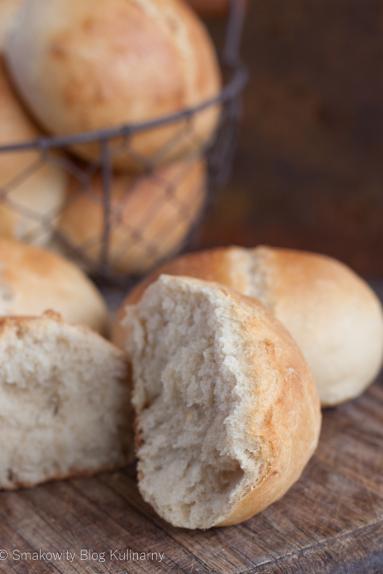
331, 521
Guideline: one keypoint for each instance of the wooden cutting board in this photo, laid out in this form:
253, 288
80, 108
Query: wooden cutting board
331, 521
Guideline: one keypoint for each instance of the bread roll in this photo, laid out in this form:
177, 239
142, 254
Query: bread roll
33, 280
8, 10
32, 191
64, 402
82, 65
227, 411
150, 216
331, 312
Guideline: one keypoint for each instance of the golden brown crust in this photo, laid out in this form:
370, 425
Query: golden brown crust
151, 216
33, 280
291, 274
24, 322
333, 315
155, 59
210, 265
284, 416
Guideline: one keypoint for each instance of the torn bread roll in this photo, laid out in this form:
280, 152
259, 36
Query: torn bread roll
150, 216
227, 411
32, 187
33, 280
332, 313
64, 402
82, 65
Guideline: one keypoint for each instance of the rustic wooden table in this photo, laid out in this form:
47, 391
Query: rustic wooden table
330, 522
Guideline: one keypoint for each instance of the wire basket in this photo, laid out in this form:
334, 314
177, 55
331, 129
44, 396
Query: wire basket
158, 209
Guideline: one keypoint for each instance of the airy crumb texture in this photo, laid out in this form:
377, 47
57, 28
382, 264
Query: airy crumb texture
64, 402
227, 412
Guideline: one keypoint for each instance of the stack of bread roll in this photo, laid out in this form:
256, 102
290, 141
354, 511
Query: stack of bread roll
81, 66
52, 363
222, 358
64, 393
32, 191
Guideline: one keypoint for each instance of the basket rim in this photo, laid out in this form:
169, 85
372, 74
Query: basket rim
230, 91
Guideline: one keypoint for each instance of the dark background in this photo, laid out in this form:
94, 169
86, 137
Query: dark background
309, 169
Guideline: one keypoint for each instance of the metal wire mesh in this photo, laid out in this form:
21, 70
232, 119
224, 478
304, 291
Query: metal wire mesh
119, 226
